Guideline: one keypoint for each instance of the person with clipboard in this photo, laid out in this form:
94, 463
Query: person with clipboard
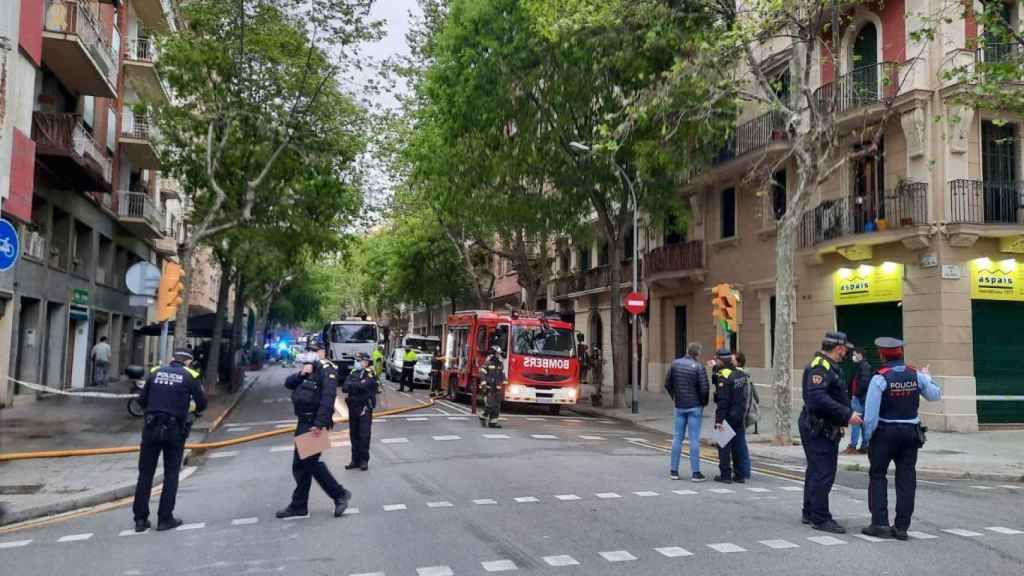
731, 389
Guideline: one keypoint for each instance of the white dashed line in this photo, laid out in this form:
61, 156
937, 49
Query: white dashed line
303, 517
341, 444
536, 419
673, 552
1003, 530
645, 493
791, 489
457, 418
525, 499
960, 532
684, 492
485, 501
826, 540
369, 574
921, 535
590, 437
607, 495
417, 419
872, 539
778, 544
131, 532
497, 436
544, 436
351, 511
617, 556
635, 439
244, 521
443, 504
224, 454
193, 526
447, 438
75, 537
395, 441
499, 566
759, 490
567, 497
15, 544
722, 491
983, 487
435, 571
559, 561
726, 548
394, 507
1010, 486
287, 448
284, 426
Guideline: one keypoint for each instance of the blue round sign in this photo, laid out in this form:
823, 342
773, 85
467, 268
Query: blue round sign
9, 246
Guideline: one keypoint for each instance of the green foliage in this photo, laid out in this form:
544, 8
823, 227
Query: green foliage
993, 78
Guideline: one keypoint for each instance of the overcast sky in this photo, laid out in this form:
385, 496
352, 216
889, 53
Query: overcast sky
395, 14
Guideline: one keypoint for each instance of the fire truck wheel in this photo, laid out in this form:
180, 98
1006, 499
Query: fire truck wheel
555, 409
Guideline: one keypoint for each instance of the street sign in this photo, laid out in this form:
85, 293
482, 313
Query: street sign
80, 296
635, 303
9, 245
142, 279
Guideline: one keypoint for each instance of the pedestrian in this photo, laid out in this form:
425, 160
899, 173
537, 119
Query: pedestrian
492, 383
100, 355
731, 390
314, 389
361, 389
165, 397
436, 371
862, 374
893, 430
409, 358
687, 384
826, 412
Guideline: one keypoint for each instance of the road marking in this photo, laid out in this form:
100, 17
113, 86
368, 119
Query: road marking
826, 540
726, 548
562, 560
443, 504
567, 497
792, 488
131, 532
722, 491
224, 454
395, 441
75, 537
983, 487
435, 571
673, 552
394, 507
920, 535
1003, 530
569, 420
485, 501
932, 482
778, 544
239, 429
635, 439
617, 556
544, 436
645, 493
15, 544
287, 448
192, 526
759, 490
341, 444
607, 495
417, 419
536, 419
524, 499
590, 437
369, 574
284, 425
499, 565
447, 438
457, 418
244, 521
497, 436
303, 517
1010, 486
684, 492
960, 532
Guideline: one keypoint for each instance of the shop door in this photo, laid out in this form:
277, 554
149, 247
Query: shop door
865, 322
998, 360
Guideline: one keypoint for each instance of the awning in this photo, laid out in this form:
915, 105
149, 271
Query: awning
199, 326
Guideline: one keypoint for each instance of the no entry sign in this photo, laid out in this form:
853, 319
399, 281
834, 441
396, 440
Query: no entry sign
635, 303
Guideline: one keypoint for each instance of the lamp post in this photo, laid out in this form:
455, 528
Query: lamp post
584, 149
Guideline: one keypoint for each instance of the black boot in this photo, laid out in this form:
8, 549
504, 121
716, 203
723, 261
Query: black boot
341, 504
290, 512
168, 523
142, 525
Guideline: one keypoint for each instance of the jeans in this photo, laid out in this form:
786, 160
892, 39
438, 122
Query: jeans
687, 418
855, 431
734, 457
99, 373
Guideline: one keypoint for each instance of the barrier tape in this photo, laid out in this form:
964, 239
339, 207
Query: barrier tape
42, 388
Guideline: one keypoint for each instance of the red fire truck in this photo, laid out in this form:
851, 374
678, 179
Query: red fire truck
540, 356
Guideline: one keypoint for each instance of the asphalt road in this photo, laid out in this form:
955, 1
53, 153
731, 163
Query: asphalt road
545, 494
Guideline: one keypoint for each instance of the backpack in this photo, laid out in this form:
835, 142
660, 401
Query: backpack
753, 409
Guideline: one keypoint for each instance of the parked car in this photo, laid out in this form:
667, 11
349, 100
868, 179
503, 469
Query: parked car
421, 373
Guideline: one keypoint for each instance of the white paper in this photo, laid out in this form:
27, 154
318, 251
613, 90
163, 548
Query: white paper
723, 436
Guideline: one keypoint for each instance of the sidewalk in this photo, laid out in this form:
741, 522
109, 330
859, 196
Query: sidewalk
42, 487
995, 455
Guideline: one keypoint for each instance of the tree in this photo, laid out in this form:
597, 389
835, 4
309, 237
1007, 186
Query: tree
259, 123
993, 77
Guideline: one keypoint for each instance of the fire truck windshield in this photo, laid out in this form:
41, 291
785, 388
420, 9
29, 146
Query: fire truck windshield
536, 341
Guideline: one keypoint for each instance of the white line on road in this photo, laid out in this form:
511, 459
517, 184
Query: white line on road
960, 532
684, 492
192, 526
395, 441
872, 539
499, 566
635, 439
417, 419
457, 418
544, 436
1010, 486
759, 490
673, 552
778, 544
15, 544
447, 438
645, 493
351, 511
369, 574
75, 537
485, 501
284, 425
341, 444
497, 436
983, 487
726, 548
536, 419
617, 556
224, 454
826, 540
238, 429
567, 497
435, 571
526, 499
244, 521
132, 532
287, 448
394, 507
792, 488
932, 482
443, 504
1003, 530
722, 491
607, 495
590, 437
561, 560
921, 535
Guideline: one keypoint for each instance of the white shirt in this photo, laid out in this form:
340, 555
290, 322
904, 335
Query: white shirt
101, 352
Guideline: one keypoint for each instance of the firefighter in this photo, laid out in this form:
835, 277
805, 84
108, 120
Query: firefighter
492, 380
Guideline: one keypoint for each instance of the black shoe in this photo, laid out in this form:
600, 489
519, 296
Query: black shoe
168, 524
723, 479
290, 512
142, 525
877, 531
739, 480
351, 466
805, 519
341, 504
830, 526
697, 477
495, 425
673, 475
364, 466
900, 534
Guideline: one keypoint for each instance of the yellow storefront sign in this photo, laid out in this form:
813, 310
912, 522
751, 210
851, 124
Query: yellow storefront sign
867, 284
997, 280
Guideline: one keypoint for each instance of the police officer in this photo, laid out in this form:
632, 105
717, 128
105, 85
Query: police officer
894, 433
361, 387
408, 366
166, 397
378, 361
826, 412
492, 380
314, 389
731, 389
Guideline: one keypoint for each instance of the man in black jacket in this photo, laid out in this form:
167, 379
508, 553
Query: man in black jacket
687, 384
731, 389
361, 387
314, 389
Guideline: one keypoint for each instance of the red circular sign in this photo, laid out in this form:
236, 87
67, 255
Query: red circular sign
635, 303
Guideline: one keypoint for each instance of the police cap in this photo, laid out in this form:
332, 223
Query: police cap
183, 354
723, 352
888, 343
362, 356
837, 339
314, 345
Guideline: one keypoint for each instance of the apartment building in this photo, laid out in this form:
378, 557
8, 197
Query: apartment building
921, 242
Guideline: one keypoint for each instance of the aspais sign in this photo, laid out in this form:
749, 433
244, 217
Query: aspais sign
868, 284
997, 280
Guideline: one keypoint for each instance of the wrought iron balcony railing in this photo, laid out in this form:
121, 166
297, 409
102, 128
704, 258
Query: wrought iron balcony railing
986, 202
833, 219
862, 86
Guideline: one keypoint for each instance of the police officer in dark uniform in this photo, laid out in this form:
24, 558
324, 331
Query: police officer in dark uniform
361, 387
314, 389
166, 396
826, 412
492, 381
731, 388
894, 433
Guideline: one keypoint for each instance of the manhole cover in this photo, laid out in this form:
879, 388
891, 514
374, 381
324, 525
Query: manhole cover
20, 489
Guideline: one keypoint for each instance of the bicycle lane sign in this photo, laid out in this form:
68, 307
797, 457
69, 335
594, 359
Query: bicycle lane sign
9, 246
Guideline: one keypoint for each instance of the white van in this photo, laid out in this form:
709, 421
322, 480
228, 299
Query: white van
346, 338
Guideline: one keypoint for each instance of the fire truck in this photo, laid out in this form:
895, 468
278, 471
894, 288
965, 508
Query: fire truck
540, 356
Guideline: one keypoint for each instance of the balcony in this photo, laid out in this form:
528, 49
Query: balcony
999, 54
137, 135
863, 87
167, 244
986, 202
75, 49
753, 135
70, 151
674, 262
594, 280
851, 225
137, 212
156, 14
140, 70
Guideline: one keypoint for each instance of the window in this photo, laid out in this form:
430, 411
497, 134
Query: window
89, 111
500, 338
540, 341
583, 258
673, 235
105, 266
111, 129
728, 223
353, 333
778, 195
61, 239
602, 254
81, 254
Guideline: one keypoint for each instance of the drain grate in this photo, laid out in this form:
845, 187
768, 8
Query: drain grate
20, 489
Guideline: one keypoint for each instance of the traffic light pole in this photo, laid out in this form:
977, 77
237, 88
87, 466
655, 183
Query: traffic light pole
163, 342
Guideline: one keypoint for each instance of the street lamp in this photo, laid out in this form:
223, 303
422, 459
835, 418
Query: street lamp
582, 148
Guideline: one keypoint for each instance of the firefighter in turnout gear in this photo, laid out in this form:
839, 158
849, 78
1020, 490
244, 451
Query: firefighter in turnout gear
894, 433
492, 382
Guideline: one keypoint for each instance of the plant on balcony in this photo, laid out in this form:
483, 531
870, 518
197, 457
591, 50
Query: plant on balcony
997, 68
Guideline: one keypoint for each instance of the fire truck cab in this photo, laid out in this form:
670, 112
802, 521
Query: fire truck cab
540, 356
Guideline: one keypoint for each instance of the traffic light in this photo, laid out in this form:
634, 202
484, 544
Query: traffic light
169, 295
725, 307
